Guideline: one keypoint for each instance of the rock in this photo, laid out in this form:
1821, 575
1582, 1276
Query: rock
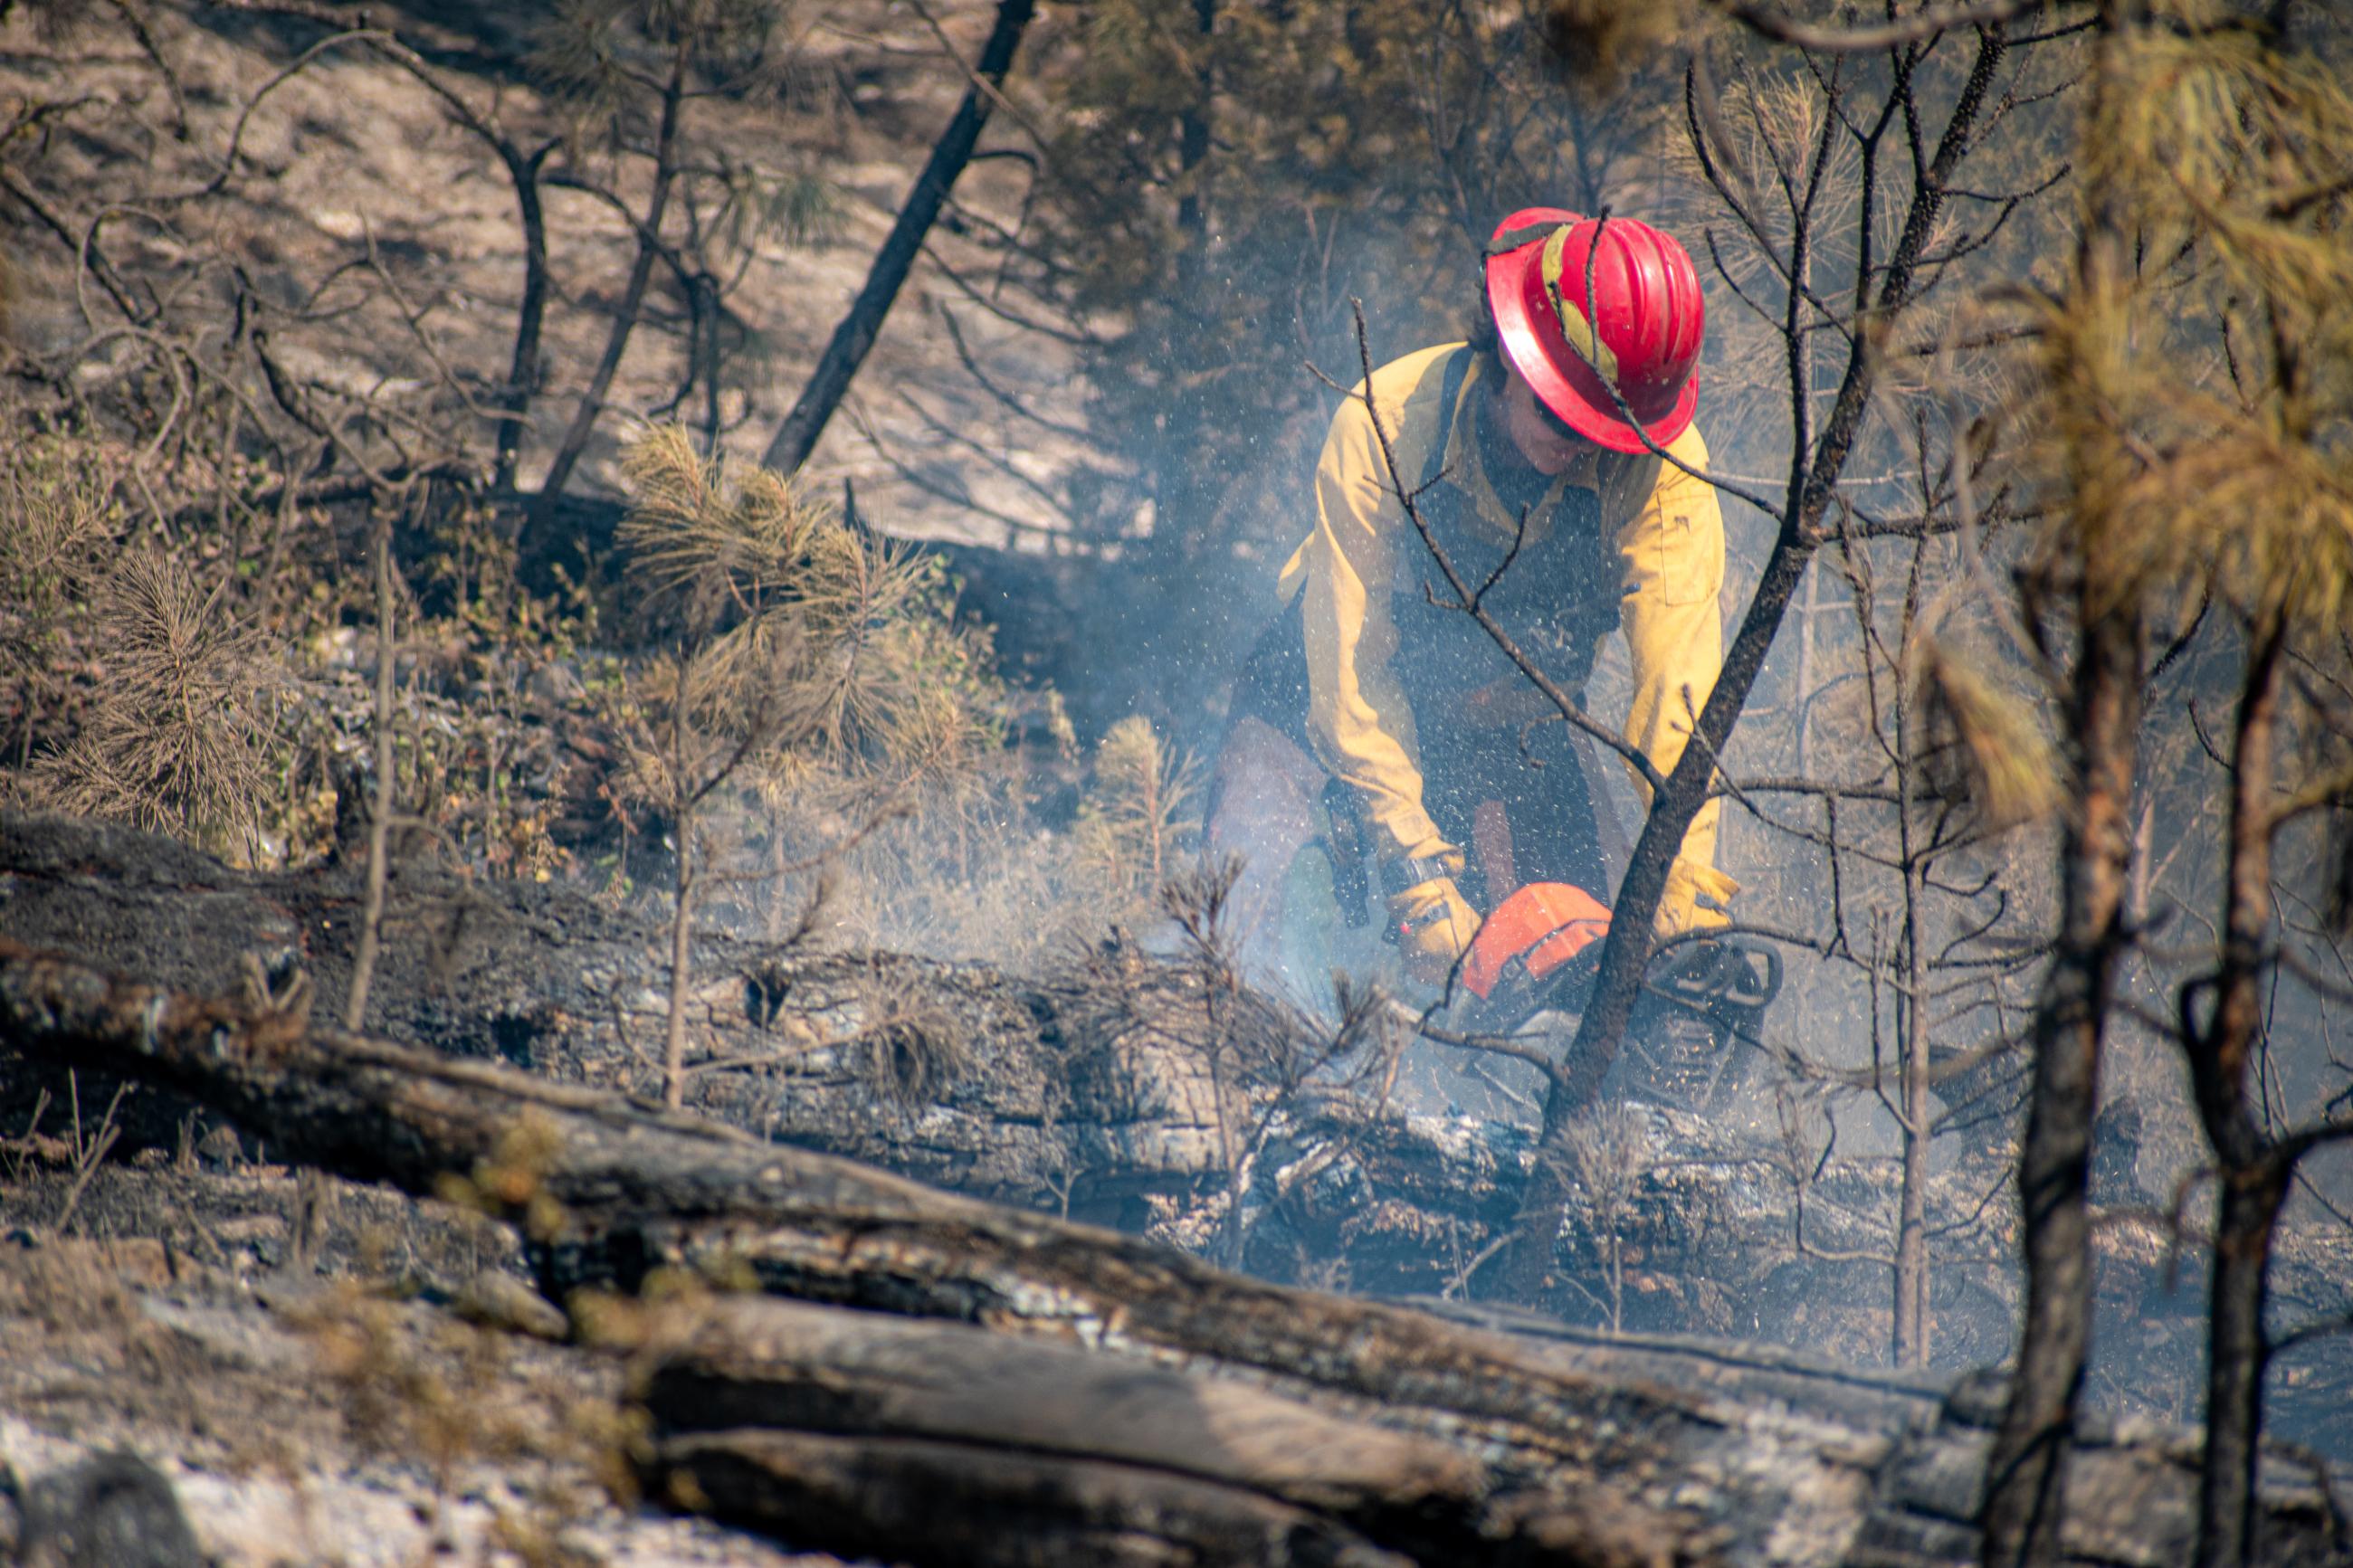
114, 1510
500, 1301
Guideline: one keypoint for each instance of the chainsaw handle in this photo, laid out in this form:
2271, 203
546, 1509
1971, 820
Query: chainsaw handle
1745, 995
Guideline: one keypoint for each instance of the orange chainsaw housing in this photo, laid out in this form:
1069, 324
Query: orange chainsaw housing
1537, 929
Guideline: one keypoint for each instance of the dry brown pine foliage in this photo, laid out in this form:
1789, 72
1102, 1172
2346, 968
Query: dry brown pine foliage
177, 736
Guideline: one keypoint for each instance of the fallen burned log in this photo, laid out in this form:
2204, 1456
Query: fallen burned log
1537, 1444
908, 1499
1087, 1089
1216, 1459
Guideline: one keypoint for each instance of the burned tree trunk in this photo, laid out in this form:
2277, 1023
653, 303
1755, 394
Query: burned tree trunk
2027, 1486
797, 437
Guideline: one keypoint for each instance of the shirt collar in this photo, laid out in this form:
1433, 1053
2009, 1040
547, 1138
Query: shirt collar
1465, 465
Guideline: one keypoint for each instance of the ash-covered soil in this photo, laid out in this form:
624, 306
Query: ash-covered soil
324, 1374
351, 163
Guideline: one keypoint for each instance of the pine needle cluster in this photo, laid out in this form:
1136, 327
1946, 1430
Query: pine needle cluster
1139, 819
820, 714
1982, 742
831, 646
2199, 391
176, 737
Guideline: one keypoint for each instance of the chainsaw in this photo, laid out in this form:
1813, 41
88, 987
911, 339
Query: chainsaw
1540, 951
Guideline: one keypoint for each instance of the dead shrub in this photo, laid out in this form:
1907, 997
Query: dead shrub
1137, 818
1610, 1148
912, 1057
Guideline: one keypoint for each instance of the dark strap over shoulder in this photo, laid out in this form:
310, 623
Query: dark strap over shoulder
1450, 390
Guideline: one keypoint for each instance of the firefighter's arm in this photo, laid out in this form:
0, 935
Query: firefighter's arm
1671, 550
1357, 714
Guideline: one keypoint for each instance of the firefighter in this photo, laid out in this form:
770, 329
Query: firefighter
1379, 725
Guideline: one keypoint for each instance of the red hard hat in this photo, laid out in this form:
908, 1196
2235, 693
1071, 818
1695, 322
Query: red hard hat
1643, 326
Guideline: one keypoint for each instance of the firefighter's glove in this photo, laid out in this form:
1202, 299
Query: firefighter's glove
1698, 897
1434, 925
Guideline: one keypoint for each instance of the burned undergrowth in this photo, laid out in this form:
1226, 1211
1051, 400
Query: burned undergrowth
1146, 1090
1339, 1417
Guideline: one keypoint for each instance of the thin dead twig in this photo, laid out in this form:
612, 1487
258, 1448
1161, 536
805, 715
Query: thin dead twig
88, 1153
380, 822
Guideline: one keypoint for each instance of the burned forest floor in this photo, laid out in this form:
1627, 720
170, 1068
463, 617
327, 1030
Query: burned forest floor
336, 1371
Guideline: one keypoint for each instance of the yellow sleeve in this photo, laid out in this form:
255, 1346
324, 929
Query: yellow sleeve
1358, 716
1672, 552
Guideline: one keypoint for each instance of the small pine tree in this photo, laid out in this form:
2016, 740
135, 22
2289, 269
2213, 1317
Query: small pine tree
814, 686
1138, 818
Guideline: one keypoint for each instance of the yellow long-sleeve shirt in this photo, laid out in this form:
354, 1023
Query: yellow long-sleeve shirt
1669, 536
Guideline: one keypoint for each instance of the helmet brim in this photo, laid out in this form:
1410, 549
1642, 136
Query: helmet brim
1571, 390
